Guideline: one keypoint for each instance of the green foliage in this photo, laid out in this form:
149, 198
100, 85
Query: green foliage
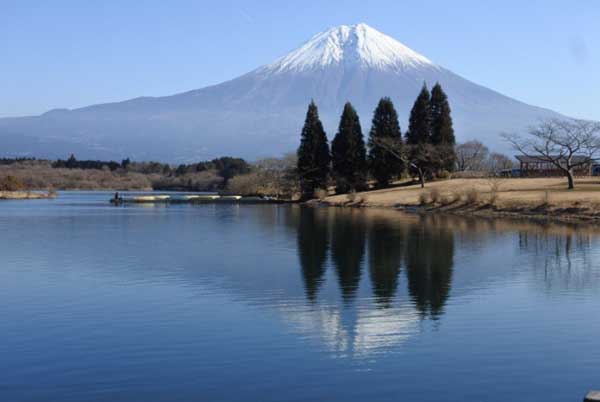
313, 154
383, 165
419, 123
348, 153
73, 163
442, 132
421, 154
125, 163
228, 167
12, 161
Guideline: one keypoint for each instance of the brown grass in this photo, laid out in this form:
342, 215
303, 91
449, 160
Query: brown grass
505, 195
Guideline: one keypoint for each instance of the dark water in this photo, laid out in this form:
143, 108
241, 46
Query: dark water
279, 303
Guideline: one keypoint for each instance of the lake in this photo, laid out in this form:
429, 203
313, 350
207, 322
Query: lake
287, 303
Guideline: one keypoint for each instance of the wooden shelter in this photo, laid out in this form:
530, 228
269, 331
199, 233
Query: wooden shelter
540, 166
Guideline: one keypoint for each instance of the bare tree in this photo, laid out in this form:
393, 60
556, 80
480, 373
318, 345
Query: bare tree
566, 144
498, 162
417, 157
471, 155
278, 174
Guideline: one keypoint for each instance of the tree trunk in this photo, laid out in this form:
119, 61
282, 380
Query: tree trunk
570, 179
422, 178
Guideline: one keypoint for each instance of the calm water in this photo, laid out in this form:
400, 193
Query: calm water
279, 303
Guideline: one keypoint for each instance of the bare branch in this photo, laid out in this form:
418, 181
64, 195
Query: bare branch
567, 144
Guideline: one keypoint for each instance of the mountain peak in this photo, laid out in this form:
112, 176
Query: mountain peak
351, 45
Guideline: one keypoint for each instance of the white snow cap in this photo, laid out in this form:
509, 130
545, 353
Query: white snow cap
351, 45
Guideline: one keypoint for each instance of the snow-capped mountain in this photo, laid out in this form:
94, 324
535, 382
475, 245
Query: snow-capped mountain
357, 45
261, 112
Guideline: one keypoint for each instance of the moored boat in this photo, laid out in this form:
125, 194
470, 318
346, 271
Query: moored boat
230, 197
150, 198
208, 197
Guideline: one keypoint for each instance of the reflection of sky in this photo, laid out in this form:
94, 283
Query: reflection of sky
355, 333
177, 294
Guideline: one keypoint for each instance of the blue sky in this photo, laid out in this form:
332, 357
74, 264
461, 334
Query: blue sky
75, 53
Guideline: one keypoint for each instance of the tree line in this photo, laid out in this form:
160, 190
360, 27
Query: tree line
425, 150
226, 166
73, 173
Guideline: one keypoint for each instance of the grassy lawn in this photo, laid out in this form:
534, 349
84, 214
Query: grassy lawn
502, 193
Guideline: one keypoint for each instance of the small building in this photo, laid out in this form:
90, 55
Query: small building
539, 166
513, 172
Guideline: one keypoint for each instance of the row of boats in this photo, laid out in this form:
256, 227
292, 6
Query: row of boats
181, 198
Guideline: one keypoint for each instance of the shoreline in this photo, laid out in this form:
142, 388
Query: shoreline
26, 195
480, 211
539, 200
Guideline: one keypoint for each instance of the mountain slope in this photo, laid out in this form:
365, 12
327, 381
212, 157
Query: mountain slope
261, 113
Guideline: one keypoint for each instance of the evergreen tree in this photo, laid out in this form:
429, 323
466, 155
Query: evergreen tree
442, 132
313, 154
421, 155
125, 163
71, 162
348, 153
385, 129
419, 123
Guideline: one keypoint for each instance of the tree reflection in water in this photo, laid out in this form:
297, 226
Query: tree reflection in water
411, 273
560, 259
425, 246
429, 260
348, 237
313, 244
386, 247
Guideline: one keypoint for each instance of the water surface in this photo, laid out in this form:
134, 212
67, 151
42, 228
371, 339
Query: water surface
285, 303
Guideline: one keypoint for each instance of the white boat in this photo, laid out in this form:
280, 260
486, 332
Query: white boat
207, 197
150, 198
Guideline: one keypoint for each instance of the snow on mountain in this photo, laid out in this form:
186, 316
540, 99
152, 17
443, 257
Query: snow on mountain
351, 45
261, 113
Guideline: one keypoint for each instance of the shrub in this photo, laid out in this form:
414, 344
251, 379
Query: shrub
495, 184
546, 199
11, 183
444, 174
493, 198
472, 196
245, 184
455, 196
446, 200
423, 198
351, 196
435, 195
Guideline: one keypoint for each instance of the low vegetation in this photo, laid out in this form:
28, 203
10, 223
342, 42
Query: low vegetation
11, 183
72, 174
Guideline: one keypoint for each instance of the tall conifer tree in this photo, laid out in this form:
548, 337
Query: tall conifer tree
419, 123
442, 132
313, 154
385, 128
348, 153
421, 155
